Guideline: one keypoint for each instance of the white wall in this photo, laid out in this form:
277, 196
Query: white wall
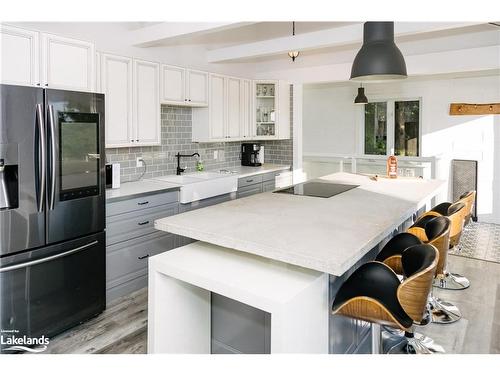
332, 124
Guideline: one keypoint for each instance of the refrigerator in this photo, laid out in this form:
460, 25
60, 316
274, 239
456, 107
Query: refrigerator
52, 210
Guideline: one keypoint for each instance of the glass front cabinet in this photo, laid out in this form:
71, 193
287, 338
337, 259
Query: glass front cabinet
271, 110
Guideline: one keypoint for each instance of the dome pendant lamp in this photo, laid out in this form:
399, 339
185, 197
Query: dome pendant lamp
361, 98
379, 58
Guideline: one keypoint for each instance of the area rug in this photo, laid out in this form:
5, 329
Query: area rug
480, 241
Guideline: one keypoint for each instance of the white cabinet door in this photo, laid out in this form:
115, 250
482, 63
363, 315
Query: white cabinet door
197, 87
247, 125
19, 56
173, 85
67, 63
146, 96
217, 107
116, 84
234, 107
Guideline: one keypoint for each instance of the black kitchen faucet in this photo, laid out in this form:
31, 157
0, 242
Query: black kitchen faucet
179, 156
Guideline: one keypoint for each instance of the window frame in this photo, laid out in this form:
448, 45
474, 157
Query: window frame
391, 124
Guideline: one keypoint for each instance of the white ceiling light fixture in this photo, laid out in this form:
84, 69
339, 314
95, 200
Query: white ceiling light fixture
293, 54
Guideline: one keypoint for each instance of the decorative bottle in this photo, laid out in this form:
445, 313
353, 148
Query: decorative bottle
392, 167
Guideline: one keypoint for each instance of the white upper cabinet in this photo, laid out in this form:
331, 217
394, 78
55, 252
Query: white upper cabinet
234, 108
19, 56
67, 63
132, 93
197, 87
32, 58
180, 86
146, 97
247, 124
173, 84
116, 83
217, 107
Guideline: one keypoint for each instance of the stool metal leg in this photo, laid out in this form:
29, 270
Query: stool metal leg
452, 281
375, 331
410, 343
443, 312
420, 344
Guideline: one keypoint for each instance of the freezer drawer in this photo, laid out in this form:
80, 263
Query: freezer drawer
49, 290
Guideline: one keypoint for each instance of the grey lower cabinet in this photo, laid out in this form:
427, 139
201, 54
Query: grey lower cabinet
257, 184
131, 238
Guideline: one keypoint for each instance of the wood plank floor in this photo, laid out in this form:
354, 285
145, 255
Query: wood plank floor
122, 328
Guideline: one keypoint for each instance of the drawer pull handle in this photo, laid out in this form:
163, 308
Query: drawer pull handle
143, 203
250, 180
143, 257
143, 222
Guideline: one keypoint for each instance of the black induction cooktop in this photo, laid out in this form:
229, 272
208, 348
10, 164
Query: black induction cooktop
317, 189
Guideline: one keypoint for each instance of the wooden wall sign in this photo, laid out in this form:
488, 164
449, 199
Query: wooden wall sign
474, 109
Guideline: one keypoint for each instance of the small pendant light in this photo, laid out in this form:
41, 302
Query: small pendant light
361, 98
379, 58
293, 54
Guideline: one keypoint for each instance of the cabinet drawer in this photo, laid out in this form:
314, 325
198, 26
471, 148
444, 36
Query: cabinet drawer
147, 201
128, 260
134, 224
249, 190
250, 180
271, 176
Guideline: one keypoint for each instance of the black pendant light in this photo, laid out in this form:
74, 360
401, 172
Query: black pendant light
379, 58
361, 98
293, 54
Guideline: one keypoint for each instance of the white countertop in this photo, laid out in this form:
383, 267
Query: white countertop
137, 188
324, 234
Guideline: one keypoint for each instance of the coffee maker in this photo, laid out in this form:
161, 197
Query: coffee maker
252, 154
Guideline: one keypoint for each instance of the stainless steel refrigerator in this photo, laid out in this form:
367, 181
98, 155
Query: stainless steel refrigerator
52, 202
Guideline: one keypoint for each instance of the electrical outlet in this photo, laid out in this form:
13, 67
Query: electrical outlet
139, 162
216, 154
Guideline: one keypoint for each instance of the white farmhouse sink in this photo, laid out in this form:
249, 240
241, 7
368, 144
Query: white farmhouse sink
202, 185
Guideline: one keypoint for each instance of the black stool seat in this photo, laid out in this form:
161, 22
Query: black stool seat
375, 294
397, 245
378, 282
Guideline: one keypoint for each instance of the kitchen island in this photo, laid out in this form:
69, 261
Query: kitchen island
330, 236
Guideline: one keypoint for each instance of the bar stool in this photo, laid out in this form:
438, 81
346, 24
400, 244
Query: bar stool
456, 212
375, 294
436, 232
392, 251
468, 198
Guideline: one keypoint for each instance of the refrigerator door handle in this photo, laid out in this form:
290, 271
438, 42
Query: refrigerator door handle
52, 196
48, 259
42, 164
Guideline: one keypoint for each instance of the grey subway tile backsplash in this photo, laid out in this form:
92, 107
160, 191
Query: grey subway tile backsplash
176, 136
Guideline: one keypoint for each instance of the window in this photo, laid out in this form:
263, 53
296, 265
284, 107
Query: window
376, 128
392, 126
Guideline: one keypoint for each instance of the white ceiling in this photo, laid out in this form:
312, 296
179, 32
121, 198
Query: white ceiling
252, 32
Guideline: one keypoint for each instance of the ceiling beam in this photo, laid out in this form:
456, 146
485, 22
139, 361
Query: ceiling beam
480, 59
165, 31
339, 36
